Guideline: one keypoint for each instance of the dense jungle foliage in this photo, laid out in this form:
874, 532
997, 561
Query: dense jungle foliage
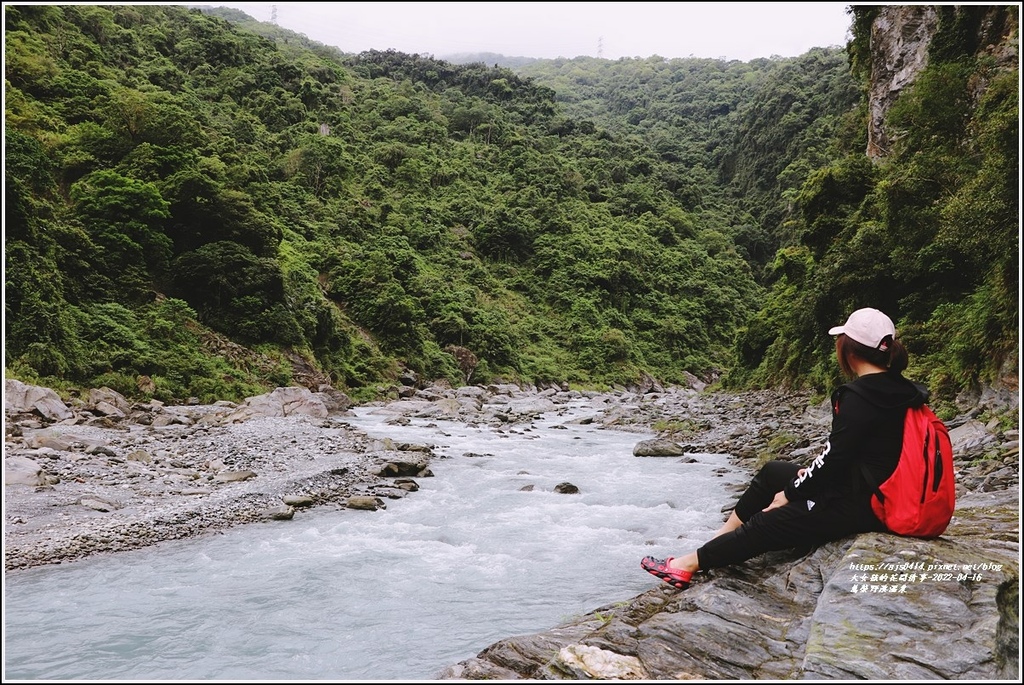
201, 205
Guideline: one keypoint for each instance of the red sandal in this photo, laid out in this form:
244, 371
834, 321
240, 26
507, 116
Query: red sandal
675, 577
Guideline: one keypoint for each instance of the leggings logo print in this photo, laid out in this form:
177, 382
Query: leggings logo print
817, 463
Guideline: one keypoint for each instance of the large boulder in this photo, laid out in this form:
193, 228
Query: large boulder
23, 471
290, 401
107, 402
334, 400
658, 447
22, 398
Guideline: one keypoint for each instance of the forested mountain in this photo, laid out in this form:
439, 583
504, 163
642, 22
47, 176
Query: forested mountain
743, 136
200, 205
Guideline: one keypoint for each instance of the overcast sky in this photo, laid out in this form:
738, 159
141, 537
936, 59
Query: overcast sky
730, 30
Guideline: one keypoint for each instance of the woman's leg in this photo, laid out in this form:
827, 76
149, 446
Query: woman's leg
794, 525
771, 479
731, 524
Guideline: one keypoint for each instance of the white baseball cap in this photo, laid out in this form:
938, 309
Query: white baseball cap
867, 326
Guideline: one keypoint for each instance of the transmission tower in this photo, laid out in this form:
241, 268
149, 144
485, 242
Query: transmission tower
273, 14
600, 46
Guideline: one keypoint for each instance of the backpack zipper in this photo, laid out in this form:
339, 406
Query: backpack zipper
924, 485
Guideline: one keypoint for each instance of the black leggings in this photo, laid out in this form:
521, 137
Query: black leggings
793, 525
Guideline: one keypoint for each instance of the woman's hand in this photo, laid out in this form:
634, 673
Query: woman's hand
780, 501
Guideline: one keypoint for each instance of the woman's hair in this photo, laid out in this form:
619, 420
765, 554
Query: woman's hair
890, 355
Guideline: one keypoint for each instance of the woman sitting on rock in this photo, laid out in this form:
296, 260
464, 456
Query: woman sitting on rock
787, 506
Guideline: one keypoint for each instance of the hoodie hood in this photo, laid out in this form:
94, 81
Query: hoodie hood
889, 390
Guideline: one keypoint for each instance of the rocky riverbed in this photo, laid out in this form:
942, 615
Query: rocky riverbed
100, 474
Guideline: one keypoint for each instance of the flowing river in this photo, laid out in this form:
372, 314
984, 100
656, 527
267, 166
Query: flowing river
475, 556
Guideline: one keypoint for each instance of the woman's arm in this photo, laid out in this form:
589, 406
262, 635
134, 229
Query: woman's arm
830, 470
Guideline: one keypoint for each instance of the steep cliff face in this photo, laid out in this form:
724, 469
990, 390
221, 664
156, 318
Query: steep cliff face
899, 52
903, 39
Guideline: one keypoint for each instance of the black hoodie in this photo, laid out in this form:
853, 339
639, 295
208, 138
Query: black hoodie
867, 427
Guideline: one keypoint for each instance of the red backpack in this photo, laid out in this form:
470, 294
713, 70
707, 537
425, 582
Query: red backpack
919, 497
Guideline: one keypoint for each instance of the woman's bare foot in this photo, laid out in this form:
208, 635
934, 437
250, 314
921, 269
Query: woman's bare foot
687, 562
